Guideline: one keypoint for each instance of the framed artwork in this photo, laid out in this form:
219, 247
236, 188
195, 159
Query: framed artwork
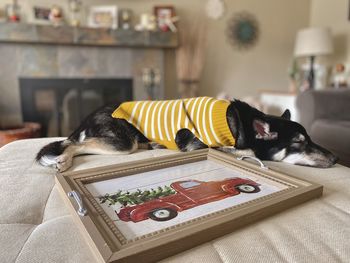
103, 16
41, 15
125, 18
147, 210
164, 16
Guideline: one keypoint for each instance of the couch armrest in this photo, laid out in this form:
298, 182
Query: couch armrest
323, 104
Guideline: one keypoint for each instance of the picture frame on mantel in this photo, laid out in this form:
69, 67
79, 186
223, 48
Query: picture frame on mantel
164, 15
151, 209
41, 15
103, 17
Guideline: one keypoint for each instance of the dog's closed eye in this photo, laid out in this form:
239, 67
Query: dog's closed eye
298, 141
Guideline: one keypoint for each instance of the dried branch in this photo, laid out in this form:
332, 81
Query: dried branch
190, 54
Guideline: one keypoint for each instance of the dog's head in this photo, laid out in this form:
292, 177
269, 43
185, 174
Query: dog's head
279, 139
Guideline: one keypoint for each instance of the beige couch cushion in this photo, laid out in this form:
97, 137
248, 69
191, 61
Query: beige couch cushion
35, 225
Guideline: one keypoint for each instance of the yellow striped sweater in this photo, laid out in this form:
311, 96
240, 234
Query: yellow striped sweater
159, 121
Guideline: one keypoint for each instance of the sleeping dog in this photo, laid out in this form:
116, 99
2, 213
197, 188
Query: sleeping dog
188, 125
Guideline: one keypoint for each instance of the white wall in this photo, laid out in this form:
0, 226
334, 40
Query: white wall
334, 14
242, 73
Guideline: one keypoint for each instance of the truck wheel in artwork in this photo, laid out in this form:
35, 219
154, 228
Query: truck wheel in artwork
162, 214
248, 188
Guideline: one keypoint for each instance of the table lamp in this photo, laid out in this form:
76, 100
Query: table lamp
312, 42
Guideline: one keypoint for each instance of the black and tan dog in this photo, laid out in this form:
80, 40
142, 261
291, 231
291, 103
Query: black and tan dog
188, 125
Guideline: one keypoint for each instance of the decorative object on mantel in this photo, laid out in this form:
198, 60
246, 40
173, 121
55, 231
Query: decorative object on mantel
74, 8
41, 15
12, 11
215, 9
166, 18
103, 16
312, 42
151, 81
56, 15
243, 30
125, 18
147, 23
190, 58
83, 36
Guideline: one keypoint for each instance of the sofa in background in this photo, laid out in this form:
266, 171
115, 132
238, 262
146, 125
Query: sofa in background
325, 114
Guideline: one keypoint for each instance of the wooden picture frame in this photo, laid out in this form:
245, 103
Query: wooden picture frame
103, 17
168, 8
163, 13
110, 240
41, 15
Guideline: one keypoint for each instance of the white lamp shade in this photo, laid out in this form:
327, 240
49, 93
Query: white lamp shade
313, 42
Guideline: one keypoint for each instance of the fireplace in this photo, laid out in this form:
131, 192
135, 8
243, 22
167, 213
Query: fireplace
60, 104
37, 51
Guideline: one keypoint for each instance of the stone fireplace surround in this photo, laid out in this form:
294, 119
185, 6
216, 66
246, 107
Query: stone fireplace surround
61, 104
36, 59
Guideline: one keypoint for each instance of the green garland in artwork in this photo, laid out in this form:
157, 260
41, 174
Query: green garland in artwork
137, 197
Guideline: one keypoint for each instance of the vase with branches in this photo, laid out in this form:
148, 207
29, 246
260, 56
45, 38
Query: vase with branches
190, 58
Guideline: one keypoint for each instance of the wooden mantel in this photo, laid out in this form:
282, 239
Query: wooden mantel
84, 36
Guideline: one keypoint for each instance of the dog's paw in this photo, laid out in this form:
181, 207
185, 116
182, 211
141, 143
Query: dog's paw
245, 152
237, 152
63, 162
227, 149
155, 146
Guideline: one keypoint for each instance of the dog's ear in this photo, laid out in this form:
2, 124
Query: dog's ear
262, 130
286, 114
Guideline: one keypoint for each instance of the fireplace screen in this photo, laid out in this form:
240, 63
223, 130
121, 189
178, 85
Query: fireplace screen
60, 105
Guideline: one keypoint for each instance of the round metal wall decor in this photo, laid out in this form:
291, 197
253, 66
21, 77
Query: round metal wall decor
243, 30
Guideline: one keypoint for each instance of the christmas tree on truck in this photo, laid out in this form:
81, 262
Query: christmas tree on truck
125, 198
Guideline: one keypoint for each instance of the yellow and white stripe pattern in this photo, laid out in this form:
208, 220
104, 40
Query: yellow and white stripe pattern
159, 121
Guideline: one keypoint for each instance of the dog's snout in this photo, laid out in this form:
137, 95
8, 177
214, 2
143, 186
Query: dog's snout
326, 157
334, 159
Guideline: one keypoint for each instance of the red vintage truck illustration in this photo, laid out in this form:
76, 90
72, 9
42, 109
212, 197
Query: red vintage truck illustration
189, 194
